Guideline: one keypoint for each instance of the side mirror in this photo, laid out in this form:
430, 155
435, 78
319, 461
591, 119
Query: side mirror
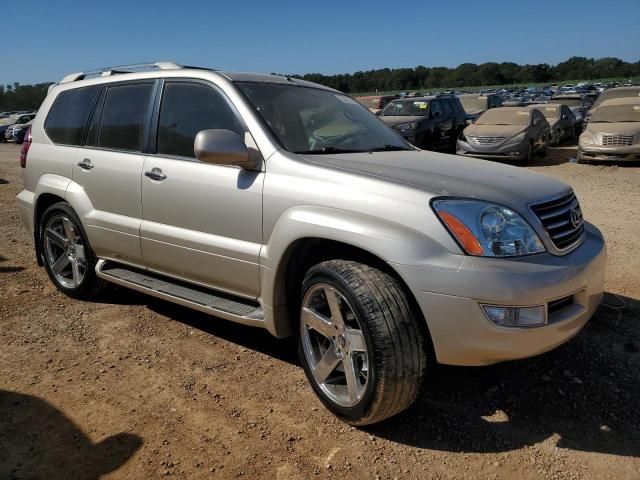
223, 147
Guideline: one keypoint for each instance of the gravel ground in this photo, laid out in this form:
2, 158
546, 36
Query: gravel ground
137, 388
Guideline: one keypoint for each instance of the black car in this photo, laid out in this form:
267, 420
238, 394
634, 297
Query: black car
430, 123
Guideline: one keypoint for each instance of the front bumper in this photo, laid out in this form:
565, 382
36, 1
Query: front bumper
612, 154
462, 335
496, 151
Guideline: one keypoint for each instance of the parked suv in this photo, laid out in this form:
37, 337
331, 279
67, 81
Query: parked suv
286, 205
430, 123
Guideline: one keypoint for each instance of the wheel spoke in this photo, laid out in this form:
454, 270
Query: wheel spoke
80, 252
75, 272
316, 321
60, 264
326, 366
332, 300
68, 229
356, 340
352, 380
55, 237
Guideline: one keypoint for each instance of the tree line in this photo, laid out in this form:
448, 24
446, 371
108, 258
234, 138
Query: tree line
29, 97
471, 74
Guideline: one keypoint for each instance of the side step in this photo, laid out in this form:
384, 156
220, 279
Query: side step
229, 307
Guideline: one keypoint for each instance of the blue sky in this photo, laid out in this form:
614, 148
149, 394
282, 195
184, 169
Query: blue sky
61, 36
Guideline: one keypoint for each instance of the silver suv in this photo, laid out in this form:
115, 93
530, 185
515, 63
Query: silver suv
286, 205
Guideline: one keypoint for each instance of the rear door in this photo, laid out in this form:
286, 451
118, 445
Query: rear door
109, 169
202, 222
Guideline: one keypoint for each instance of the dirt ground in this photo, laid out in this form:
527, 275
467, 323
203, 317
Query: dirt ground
137, 388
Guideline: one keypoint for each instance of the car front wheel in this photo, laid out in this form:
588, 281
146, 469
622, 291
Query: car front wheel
361, 344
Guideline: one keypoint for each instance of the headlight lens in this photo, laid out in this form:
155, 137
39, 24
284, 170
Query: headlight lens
587, 138
403, 127
486, 229
518, 138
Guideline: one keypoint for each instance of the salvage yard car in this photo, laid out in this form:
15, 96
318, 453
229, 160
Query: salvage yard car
562, 121
613, 134
506, 133
376, 103
474, 105
430, 123
286, 205
620, 92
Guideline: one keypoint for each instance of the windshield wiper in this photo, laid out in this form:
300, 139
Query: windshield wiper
388, 148
329, 150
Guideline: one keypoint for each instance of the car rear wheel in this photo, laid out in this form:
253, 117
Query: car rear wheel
67, 255
361, 344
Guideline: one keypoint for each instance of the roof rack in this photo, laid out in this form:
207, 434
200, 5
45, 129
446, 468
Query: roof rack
107, 71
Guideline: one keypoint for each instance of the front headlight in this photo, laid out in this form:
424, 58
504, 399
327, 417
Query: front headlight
518, 138
486, 229
588, 138
404, 127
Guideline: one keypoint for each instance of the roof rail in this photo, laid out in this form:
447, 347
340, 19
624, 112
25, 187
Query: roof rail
107, 71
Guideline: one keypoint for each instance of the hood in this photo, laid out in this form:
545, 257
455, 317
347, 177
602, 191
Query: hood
451, 175
494, 130
392, 120
622, 128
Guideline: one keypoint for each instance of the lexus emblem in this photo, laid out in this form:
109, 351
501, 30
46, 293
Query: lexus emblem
576, 218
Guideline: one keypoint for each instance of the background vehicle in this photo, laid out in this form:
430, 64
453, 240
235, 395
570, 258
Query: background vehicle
506, 133
613, 134
286, 205
376, 103
562, 121
474, 105
6, 130
430, 123
19, 132
578, 103
619, 92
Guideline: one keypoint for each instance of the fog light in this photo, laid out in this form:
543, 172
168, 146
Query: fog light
516, 316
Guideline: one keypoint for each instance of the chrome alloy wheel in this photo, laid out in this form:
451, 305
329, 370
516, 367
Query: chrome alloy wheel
334, 345
64, 251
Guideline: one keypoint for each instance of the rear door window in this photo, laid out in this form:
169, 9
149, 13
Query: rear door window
67, 118
188, 108
436, 108
124, 116
448, 111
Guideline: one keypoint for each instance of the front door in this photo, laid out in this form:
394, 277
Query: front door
201, 222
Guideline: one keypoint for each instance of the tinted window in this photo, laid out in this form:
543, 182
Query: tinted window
436, 108
188, 108
448, 111
123, 116
68, 116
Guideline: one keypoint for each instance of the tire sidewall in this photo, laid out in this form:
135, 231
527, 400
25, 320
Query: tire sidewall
361, 409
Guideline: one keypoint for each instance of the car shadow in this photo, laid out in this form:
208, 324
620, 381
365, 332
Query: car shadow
37, 441
253, 338
6, 269
583, 395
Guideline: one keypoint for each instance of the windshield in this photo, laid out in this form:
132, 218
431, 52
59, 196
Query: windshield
550, 111
504, 116
310, 120
406, 108
616, 113
473, 102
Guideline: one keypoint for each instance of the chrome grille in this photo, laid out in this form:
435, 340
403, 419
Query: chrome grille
562, 218
485, 140
618, 140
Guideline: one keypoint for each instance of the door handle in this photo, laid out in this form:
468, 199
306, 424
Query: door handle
86, 164
155, 174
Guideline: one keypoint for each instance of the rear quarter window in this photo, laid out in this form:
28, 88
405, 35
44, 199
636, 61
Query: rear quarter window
67, 118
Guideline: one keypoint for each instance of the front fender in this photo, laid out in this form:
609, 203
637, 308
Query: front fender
390, 242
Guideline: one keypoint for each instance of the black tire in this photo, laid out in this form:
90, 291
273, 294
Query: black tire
90, 286
395, 339
528, 160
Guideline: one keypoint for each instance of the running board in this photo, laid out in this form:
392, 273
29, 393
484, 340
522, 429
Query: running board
229, 307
